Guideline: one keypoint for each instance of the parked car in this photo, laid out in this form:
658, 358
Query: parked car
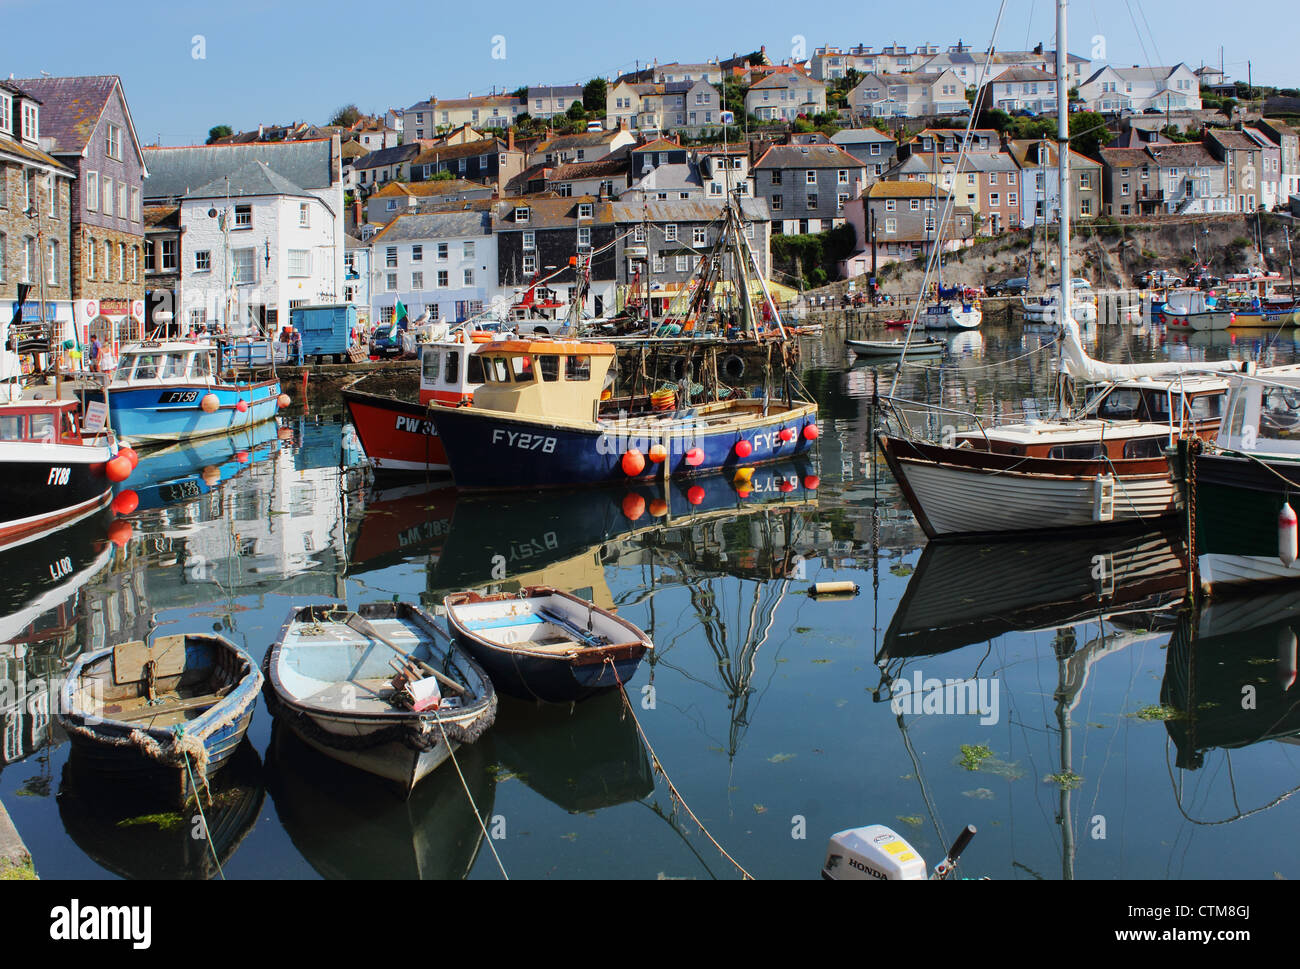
1016, 286
1160, 279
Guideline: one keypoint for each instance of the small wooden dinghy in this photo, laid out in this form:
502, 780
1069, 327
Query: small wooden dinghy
889, 349
165, 715
541, 643
330, 679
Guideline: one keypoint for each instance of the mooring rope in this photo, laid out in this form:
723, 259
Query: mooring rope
198, 802
672, 788
477, 816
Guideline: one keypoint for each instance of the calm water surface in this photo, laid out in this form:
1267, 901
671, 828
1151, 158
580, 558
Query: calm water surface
1105, 738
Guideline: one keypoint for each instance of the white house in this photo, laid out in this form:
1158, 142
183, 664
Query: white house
785, 96
357, 276
548, 100
445, 262
1112, 90
908, 95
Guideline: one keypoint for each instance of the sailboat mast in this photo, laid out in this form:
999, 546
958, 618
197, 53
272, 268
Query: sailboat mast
1063, 158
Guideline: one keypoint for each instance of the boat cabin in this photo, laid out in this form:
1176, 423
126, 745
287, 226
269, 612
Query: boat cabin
1263, 413
171, 362
1130, 419
551, 378
451, 370
41, 422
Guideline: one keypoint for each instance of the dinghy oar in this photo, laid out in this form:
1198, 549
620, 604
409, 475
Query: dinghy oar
362, 626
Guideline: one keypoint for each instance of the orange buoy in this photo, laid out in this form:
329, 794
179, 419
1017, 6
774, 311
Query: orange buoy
743, 448
633, 462
119, 533
126, 502
658, 453
211, 476
209, 403
658, 508
283, 400
695, 457
130, 455
633, 506
695, 495
812, 482
118, 469
810, 432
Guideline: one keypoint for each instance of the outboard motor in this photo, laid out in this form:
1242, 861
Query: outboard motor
878, 853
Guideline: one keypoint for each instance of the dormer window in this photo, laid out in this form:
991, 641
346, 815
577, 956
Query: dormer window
31, 123
6, 113
521, 214
584, 210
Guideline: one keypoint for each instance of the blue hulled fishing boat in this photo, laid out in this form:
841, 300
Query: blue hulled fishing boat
536, 423
172, 391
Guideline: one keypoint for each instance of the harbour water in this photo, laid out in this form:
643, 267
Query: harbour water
1056, 694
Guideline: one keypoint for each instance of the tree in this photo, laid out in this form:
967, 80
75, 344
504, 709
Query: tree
1227, 106
346, 116
593, 95
520, 93
576, 111
1088, 132
219, 131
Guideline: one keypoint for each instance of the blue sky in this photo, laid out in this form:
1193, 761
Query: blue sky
277, 61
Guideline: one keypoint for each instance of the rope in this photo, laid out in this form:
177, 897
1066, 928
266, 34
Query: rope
198, 801
477, 816
672, 788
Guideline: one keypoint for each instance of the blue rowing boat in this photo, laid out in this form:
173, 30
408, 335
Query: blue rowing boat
164, 716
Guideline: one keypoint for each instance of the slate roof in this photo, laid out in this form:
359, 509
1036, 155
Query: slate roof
685, 210
440, 186
442, 153
255, 178
387, 156
70, 107
810, 156
175, 172
435, 225
162, 216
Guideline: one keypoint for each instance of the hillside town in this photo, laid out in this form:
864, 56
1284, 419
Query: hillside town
453, 205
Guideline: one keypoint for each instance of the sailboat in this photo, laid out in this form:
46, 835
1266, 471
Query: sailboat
1102, 466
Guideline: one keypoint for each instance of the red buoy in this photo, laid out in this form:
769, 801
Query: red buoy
812, 482
283, 400
658, 453
1286, 534
787, 486
241, 457
633, 506
810, 432
743, 448
119, 533
658, 508
118, 469
126, 502
695, 457
633, 462
786, 435
130, 455
695, 495
242, 406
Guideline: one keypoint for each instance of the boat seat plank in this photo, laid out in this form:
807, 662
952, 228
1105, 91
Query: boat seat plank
129, 659
581, 635
354, 695
172, 707
498, 622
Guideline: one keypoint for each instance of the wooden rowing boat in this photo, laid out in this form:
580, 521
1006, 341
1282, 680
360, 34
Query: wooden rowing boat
165, 716
329, 678
545, 644
886, 349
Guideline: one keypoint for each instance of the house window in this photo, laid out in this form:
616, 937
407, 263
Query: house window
840, 200
810, 177
530, 265
243, 216
638, 234
699, 236
916, 205
994, 200
467, 250
891, 205
135, 264
670, 232
6, 113
92, 191
584, 210
929, 223
444, 251
52, 260
391, 282
444, 278
521, 214
417, 281
658, 264
584, 237
121, 200
530, 239
469, 277
1012, 198
108, 259
202, 260
121, 262
31, 123
114, 141
108, 196
776, 203
683, 264
812, 200
299, 262
417, 253
149, 264
390, 257
168, 255
91, 250
244, 262
776, 177
891, 225
135, 205
843, 178
993, 178
1085, 206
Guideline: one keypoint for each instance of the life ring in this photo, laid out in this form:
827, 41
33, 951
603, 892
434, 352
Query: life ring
733, 367
677, 368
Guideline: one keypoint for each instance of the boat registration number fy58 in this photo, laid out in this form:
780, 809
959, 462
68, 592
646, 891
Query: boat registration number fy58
179, 397
528, 442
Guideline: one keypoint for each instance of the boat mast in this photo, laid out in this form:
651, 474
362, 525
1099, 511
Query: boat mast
1063, 160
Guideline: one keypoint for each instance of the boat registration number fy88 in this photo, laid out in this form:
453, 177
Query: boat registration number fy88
528, 442
58, 476
179, 397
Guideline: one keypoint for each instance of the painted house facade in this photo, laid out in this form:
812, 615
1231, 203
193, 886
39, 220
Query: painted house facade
1113, 90
443, 262
898, 221
536, 237
806, 187
786, 96
880, 95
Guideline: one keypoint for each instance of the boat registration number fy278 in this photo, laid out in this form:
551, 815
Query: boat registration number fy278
528, 442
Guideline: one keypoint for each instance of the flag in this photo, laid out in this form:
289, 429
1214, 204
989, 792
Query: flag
399, 314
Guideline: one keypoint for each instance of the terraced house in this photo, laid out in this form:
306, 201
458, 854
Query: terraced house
807, 186
897, 221
536, 238
86, 125
443, 262
786, 96
35, 235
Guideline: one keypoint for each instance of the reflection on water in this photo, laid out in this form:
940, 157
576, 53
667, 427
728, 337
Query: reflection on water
1119, 745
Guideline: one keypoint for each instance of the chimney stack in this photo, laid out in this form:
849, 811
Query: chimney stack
510, 140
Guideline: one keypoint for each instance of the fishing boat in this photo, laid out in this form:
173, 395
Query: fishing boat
55, 466
957, 313
1194, 310
165, 715
892, 349
398, 435
545, 644
1046, 308
330, 679
536, 423
1251, 298
166, 391
1239, 489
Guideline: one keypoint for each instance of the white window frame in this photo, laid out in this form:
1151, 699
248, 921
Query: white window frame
298, 263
